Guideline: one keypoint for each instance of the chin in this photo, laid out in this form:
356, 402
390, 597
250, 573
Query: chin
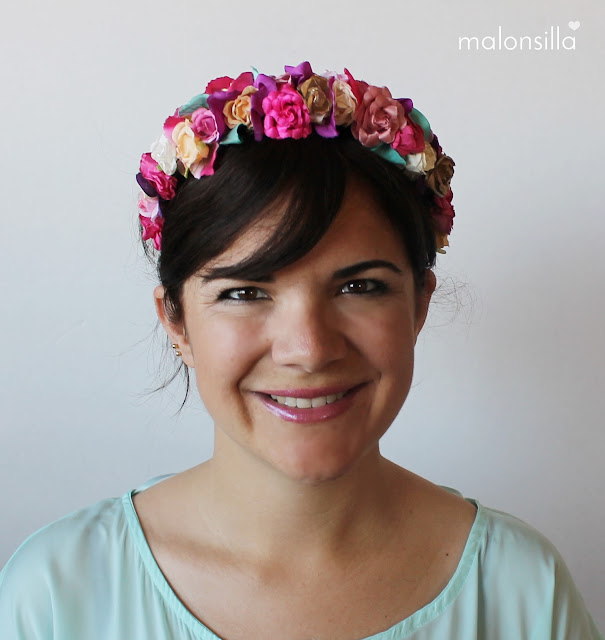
314, 467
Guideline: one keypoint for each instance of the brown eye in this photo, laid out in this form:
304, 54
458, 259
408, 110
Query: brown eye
244, 294
361, 286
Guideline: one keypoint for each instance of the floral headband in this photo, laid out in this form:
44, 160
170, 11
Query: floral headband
293, 105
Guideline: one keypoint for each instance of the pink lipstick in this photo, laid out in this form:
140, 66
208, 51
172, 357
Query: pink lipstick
312, 414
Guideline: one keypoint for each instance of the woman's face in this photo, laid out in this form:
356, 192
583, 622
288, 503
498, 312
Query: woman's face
341, 320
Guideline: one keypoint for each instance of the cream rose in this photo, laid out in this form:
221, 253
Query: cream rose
421, 162
237, 111
189, 149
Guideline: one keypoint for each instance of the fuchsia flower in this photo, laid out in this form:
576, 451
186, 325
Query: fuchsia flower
293, 105
378, 117
225, 83
286, 115
152, 230
164, 184
409, 139
151, 219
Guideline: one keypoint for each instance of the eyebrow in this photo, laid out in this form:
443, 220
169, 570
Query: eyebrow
345, 272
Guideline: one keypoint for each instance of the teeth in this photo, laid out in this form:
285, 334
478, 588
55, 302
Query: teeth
307, 403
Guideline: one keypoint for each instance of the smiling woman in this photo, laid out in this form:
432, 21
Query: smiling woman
295, 221
340, 321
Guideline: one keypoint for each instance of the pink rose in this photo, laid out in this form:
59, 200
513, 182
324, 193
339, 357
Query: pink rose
203, 124
409, 139
286, 115
378, 117
149, 207
164, 185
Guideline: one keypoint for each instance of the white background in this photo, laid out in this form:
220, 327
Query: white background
507, 404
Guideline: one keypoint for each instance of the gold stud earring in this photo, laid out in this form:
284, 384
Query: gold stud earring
176, 348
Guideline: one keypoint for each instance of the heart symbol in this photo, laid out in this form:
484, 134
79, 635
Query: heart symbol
574, 25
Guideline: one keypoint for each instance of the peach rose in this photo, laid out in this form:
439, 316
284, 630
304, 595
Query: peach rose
378, 118
237, 111
438, 179
189, 149
317, 96
345, 103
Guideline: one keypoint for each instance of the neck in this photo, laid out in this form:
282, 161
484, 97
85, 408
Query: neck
260, 513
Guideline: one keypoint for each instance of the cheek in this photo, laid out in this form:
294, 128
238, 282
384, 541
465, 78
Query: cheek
387, 338
224, 349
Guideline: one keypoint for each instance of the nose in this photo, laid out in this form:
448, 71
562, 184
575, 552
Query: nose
307, 334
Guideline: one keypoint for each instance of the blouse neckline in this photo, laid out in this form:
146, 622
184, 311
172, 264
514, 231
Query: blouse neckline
400, 629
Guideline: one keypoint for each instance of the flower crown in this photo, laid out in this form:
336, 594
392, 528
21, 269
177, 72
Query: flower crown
293, 105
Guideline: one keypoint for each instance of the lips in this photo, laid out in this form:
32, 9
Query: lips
342, 398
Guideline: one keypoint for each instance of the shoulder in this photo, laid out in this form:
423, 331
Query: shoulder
520, 570
63, 540
59, 557
505, 533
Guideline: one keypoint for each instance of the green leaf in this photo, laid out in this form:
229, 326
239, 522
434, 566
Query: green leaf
419, 119
199, 101
388, 153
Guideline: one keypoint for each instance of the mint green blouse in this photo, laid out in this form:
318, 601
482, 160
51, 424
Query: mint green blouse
91, 576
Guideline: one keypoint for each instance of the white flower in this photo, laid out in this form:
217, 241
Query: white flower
421, 162
163, 151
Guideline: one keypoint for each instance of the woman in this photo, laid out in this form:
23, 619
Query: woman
296, 220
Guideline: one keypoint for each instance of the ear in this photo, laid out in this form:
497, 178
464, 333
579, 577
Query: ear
175, 330
423, 298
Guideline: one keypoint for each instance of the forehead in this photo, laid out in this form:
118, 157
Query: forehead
360, 230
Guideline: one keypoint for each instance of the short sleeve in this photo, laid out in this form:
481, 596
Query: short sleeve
565, 616
25, 596
529, 590
58, 583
